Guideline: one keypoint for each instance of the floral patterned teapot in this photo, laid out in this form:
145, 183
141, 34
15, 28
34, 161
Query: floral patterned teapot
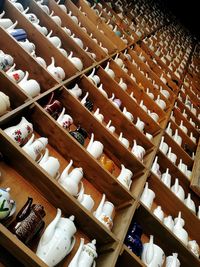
85, 255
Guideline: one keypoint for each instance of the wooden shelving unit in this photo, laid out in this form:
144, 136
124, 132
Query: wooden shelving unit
158, 55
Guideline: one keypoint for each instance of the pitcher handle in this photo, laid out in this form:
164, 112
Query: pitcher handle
72, 244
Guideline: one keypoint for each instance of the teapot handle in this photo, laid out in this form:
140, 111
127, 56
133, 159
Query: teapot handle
72, 244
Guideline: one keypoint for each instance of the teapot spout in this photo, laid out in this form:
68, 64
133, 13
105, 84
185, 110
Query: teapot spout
65, 172
98, 211
91, 142
75, 260
49, 232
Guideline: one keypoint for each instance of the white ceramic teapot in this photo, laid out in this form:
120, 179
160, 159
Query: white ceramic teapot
17, 5
169, 222
57, 240
5, 22
4, 103
76, 61
28, 46
55, 40
110, 127
15, 75
50, 164
190, 203
70, 181
147, 196
140, 124
179, 231
85, 200
173, 261
109, 71
20, 132
125, 177
166, 178
128, 114
85, 255
194, 247
123, 140
57, 72
77, 40
156, 167
95, 148
65, 120
163, 146
161, 103
35, 148
122, 84
152, 255
178, 190
7, 205
171, 156
93, 77
102, 90
76, 91
158, 212
177, 138
138, 151
104, 212
98, 115
31, 86
56, 18
44, 7
118, 60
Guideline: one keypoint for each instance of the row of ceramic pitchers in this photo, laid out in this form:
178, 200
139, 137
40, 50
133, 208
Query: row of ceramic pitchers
55, 40
58, 239
175, 226
30, 86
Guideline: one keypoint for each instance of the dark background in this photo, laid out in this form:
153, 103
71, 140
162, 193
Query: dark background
188, 13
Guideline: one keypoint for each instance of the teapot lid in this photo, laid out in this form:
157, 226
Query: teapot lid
92, 246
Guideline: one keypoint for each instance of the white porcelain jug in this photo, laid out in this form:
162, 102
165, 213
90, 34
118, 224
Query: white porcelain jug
55, 40
85, 255
31, 86
194, 247
178, 190
98, 115
95, 148
158, 212
147, 196
76, 91
70, 181
140, 124
4, 103
15, 75
179, 231
177, 138
171, 156
102, 90
128, 114
138, 150
163, 146
156, 167
76, 61
110, 127
57, 240
190, 203
152, 255
50, 164
57, 72
109, 71
122, 84
123, 140
166, 178
125, 177
34, 148
173, 261
104, 212
93, 77
85, 200
169, 222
